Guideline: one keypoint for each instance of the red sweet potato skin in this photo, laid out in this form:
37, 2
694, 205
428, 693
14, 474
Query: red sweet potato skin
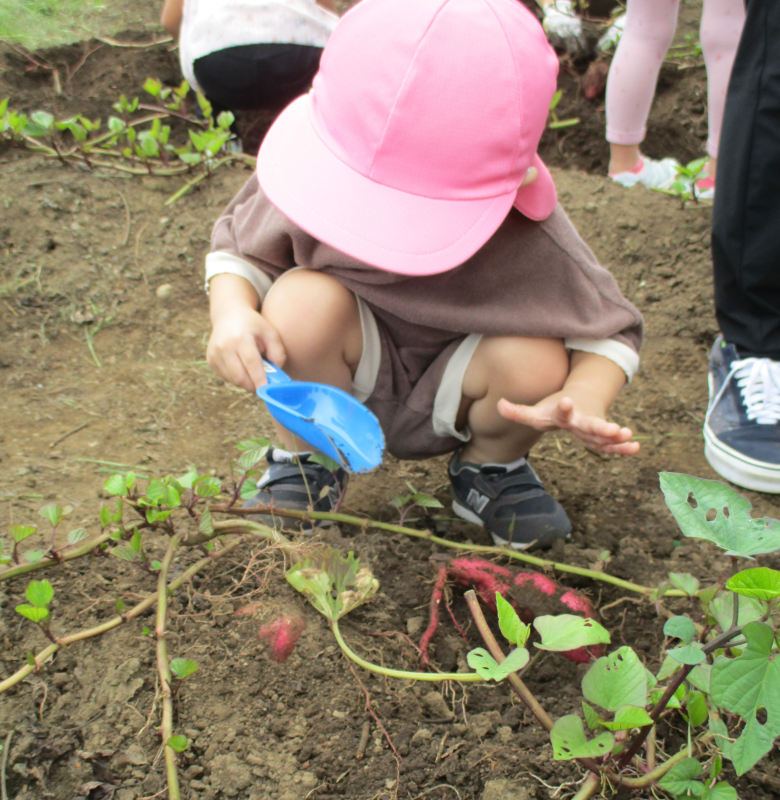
532, 594
282, 635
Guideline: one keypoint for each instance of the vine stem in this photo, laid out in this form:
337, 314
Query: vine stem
509, 552
591, 785
68, 555
42, 657
462, 677
166, 728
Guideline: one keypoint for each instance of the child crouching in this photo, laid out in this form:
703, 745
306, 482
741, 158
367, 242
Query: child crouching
402, 240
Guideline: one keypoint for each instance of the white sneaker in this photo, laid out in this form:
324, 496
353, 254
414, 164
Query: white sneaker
654, 174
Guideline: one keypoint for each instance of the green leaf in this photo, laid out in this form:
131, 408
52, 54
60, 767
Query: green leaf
125, 553
696, 705
31, 659
225, 120
323, 460
155, 565
173, 500
33, 556
680, 628
514, 630
188, 481
721, 791
43, 118
154, 515
209, 487
722, 609
248, 490
105, 516
206, 525
178, 743
115, 485
568, 632
156, 491
77, 535
20, 532
717, 766
592, 719
738, 533
153, 87
569, 742
675, 701
699, 677
55, 513
685, 582
39, 593
145, 631
616, 680
426, 501
746, 684
135, 541
120, 605
681, 779
33, 612
249, 458
628, 717
334, 585
761, 583
690, 654
183, 667
488, 668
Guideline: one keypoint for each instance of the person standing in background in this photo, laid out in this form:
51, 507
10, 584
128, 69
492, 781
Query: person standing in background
742, 437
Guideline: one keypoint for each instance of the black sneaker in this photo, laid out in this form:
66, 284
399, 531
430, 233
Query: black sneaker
512, 504
741, 434
292, 482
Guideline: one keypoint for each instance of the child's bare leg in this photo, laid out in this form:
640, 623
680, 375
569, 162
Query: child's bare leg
318, 322
524, 370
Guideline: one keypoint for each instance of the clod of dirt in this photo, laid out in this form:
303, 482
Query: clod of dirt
437, 706
480, 725
505, 790
229, 775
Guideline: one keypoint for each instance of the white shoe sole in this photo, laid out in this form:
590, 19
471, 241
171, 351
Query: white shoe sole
738, 468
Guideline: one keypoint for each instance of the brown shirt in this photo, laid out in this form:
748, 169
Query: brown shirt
534, 279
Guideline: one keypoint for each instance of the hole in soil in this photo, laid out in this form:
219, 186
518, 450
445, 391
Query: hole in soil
692, 500
726, 512
761, 716
711, 514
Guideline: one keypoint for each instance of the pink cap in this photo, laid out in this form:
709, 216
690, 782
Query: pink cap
422, 122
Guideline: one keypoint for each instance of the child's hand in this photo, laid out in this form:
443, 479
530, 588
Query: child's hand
560, 412
237, 340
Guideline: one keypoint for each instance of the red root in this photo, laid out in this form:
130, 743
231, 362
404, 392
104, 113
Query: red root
282, 635
530, 593
594, 81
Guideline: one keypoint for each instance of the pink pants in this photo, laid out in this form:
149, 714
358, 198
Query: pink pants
650, 27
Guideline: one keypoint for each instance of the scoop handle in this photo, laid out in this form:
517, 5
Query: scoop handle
274, 374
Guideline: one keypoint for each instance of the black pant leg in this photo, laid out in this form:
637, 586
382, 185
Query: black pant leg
746, 216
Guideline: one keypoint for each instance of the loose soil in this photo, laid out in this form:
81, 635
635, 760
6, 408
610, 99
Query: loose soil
91, 349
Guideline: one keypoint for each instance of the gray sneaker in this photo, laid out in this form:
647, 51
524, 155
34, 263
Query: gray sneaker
741, 432
298, 485
513, 505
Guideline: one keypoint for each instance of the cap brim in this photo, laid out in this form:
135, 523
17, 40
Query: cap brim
537, 200
381, 226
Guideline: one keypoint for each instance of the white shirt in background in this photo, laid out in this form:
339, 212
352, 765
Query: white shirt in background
211, 25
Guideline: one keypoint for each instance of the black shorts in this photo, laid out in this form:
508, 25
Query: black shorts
257, 75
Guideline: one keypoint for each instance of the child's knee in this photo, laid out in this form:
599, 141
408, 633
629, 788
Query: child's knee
523, 369
309, 305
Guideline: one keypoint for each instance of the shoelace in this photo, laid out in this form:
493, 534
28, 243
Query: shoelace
758, 380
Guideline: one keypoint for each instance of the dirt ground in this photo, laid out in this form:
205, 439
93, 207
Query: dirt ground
89, 348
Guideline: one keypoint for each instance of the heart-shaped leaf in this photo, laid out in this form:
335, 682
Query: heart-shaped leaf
616, 680
681, 779
680, 628
761, 583
39, 593
569, 742
685, 582
33, 612
488, 668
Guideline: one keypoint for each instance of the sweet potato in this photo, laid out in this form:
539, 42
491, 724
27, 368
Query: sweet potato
282, 635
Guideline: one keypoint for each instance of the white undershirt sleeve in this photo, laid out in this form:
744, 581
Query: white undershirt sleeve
623, 355
220, 262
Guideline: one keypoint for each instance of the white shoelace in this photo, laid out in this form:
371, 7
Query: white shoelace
758, 380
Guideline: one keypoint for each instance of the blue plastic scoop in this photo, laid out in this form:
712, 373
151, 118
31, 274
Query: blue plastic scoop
327, 418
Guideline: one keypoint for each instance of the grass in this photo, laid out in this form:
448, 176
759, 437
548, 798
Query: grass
45, 23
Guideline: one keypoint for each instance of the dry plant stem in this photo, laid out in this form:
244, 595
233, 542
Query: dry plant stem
114, 622
68, 555
518, 687
166, 729
518, 555
6, 750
